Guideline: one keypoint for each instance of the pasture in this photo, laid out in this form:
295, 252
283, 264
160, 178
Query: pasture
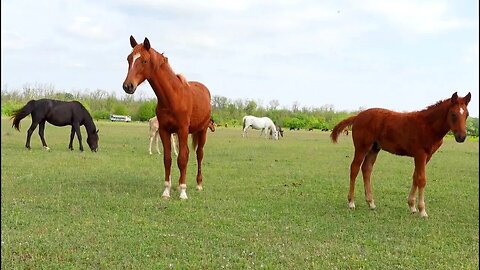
265, 204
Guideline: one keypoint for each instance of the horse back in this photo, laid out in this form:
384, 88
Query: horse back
395, 132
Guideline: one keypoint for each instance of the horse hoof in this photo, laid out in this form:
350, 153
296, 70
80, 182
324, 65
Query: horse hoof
351, 205
423, 214
165, 198
199, 188
413, 210
372, 205
183, 196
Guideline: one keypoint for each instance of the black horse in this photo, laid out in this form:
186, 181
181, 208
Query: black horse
58, 113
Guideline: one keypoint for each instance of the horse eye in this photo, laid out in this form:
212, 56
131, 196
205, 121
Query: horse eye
454, 117
144, 61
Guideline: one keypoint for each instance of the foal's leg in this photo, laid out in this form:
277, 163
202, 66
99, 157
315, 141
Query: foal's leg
72, 135
32, 128
201, 139
76, 127
150, 144
167, 161
41, 132
367, 167
421, 181
245, 132
354, 169
411, 195
174, 143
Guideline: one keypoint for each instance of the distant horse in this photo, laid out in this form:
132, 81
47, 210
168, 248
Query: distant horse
58, 113
279, 130
415, 134
183, 107
153, 133
264, 124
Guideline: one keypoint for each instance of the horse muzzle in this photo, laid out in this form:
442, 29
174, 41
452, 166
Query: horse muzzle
460, 137
129, 88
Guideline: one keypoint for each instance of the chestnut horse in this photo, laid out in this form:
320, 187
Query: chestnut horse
183, 107
415, 134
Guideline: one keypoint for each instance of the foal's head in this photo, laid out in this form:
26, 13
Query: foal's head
457, 116
92, 141
141, 62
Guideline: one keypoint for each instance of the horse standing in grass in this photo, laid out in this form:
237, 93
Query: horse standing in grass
415, 134
58, 113
264, 124
183, 107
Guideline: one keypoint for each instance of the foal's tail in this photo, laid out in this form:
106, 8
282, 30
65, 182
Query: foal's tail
340, 127
21, 113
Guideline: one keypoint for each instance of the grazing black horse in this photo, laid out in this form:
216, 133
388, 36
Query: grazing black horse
58, 113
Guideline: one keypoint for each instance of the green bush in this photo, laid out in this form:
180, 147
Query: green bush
147, 110
9, 107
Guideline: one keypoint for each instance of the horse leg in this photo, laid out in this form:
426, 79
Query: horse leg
72, 135
150, 144
354, 169
201, 139
76, 127
167, 161
157, 135
411, 195
421, 181
182, 161
367, 168
41, 133
32, 128
245, 132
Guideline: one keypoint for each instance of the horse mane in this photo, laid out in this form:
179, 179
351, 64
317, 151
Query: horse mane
182, 79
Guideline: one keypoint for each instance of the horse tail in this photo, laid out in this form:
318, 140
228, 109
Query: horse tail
244, 120
340, 127
21, 113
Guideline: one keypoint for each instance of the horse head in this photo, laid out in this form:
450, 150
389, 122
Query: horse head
92, 140
142, 61
457, 116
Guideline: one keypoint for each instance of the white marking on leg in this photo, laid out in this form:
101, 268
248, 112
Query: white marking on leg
351, 205
47, 148
372, 205
183, 192
199, 187
166, 192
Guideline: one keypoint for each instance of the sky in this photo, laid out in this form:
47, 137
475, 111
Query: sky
349, 55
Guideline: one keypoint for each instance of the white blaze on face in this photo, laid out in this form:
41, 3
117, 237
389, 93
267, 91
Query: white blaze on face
135, 57
461, 110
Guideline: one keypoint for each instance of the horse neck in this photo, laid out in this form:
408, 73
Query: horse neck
89, 124
436, 118
165, 84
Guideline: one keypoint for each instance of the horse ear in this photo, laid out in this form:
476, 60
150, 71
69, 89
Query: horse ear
454, 98
146, 44
133, 42
97, 131
467, 98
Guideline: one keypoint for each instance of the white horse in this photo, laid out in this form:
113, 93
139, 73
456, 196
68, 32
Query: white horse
263, 123
153, 123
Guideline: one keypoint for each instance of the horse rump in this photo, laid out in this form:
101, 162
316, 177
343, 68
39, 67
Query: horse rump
21, 113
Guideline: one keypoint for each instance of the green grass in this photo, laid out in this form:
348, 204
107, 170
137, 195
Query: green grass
265, 204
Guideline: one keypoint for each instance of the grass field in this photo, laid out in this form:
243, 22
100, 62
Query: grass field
266, 204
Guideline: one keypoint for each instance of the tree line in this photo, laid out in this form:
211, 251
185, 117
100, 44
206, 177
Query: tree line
225, 112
